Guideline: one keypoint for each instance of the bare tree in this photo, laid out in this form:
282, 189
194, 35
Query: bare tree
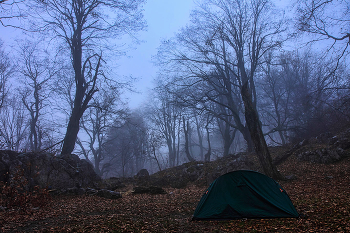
13, 130
251, 34
275, 101
120, 157
96, 123
310, 89
166, 115
126, 146
85, 27
326, 20
6, 72
11, 9
37, 74
154, 143
203, 69
139, 135
198, 125
207, 155
227, 45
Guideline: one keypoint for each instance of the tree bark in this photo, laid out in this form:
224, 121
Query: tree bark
73, 124
187, 149
71, 133
248, 139
257, 136
200, 138
81, 101
208, 154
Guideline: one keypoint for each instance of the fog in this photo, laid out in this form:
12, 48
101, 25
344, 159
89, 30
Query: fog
157, 84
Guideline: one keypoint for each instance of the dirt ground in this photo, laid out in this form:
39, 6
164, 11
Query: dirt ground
321, 193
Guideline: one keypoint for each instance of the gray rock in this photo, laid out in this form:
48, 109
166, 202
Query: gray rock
142, 177
47, 170
325, 155
108, 194
143, 173
90, 191
75, 191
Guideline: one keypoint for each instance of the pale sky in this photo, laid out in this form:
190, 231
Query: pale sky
164, 19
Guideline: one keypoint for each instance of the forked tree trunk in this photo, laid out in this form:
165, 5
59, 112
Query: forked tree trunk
82, 98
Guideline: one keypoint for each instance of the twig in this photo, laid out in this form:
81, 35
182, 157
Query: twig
51, 146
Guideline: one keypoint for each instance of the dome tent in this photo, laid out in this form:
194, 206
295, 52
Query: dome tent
244, 194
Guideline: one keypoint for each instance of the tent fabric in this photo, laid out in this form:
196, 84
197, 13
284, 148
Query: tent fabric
244, 194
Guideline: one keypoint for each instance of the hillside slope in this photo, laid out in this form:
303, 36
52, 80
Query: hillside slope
321, 193
325, 149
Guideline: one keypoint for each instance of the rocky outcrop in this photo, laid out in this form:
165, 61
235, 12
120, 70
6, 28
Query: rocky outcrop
108, 194
327, 149
47, 170
199, 172
142, 177
114, 183
341, 140
324, 155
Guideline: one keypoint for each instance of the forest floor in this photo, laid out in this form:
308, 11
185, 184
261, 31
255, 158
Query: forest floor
321, 193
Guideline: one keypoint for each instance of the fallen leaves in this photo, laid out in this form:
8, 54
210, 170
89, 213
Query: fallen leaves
324, 202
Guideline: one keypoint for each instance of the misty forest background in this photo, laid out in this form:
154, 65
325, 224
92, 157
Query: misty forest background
60, 91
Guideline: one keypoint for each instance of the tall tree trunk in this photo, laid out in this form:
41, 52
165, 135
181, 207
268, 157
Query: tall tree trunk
254, 126
71, 133
171, 152
186, 128
97, 166
200, 138
73, 124
208, 154
84, 89
178, 144
248, 139
81, 101
173, 143
283, 140
228, 139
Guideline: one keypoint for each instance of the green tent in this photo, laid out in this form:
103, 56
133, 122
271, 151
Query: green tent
244, 194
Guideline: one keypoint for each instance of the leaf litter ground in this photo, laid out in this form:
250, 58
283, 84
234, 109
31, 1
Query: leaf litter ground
320, 192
